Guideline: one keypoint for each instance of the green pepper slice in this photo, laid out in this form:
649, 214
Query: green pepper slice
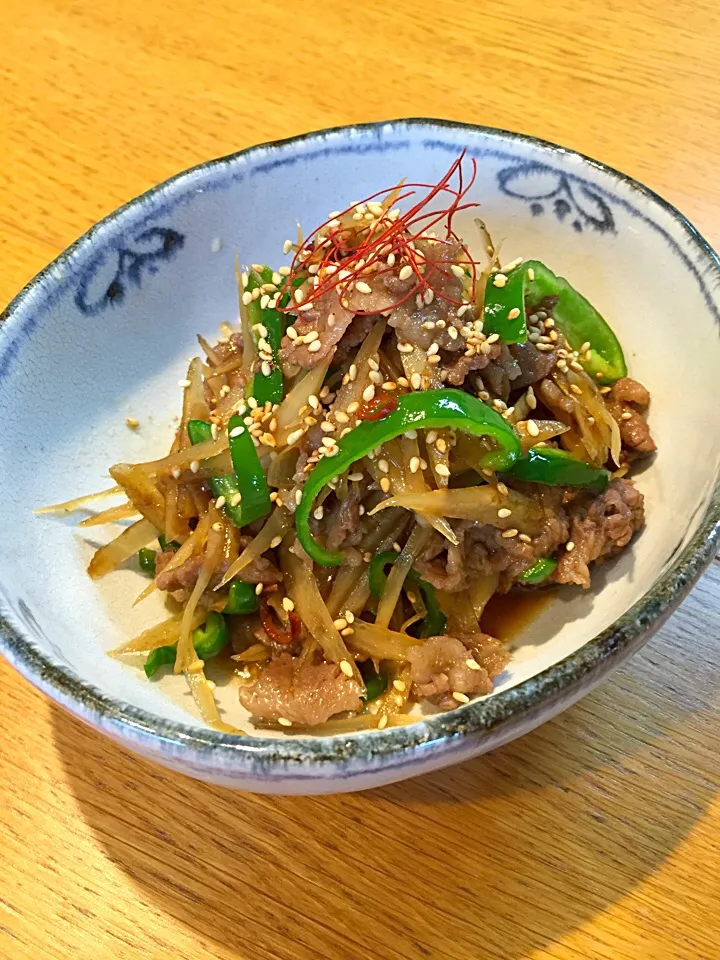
270, 387
504, 307
146, 559
424, 409
166, 544
208, 640
375, 683
435, 621
556, 468
578, 321
539, 571
241, 599
249, 472
199, 431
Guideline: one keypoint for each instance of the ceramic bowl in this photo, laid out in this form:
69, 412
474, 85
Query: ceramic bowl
104, 332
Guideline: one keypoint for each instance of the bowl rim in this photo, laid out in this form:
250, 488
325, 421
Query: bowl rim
394, 746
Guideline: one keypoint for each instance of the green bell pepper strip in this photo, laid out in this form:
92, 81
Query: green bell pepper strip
435, 621
504, 307
270, 387
248, 472
556, 468
375, 683
159, 657
241, 599
166, 544
425, 409
146, 559
578, 320
539, 571
208, 640
226, 486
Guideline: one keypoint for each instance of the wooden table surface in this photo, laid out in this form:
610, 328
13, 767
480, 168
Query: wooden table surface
595, 836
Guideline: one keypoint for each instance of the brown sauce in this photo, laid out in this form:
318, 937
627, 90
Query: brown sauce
506, 615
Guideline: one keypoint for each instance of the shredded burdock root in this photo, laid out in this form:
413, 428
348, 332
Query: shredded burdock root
396, 432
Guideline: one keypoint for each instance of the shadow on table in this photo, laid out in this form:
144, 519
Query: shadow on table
496, 858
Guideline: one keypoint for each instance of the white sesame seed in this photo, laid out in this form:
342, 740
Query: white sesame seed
298, 497
183, 383
382, 722
530, 273
399, 685
220, 503
457, 270
194, 466
315, 346
384, 484
511, 266
532, 428
472, 664
570, 546
235, 499
264, 301
429, 296
363, 287
375, 376
406, 272
414, 464
440, 445
345, 665
368, 393
287, 246
258, 589
493, 338
176, 471
275, 542
499, 280
284, 722
299, 296
509, 534
460, 697
416, 381
384, 466
432, 349
352, 372
513, 314
504, 512
355, 476
442, 470
247, 297
265, 368
288, 604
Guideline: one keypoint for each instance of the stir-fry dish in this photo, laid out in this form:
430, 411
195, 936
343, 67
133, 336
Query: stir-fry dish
396, 431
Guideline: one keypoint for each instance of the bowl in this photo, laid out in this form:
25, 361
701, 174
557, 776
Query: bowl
104, 331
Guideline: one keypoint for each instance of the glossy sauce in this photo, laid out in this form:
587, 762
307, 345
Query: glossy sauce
506, 615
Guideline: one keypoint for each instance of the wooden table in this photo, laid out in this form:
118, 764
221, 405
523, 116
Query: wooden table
595, 836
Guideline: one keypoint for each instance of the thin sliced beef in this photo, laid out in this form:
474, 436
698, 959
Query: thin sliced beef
457, 370
554, 399
329, 320
483, 550
303, 693
623, 400
184, 577
600, 527
439, 667
534, 365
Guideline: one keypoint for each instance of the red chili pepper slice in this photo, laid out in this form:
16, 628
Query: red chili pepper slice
378, 409
282, 637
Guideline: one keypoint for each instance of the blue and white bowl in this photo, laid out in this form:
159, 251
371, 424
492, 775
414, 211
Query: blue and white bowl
103, 333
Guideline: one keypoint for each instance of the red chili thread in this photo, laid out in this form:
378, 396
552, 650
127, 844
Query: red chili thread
382, 237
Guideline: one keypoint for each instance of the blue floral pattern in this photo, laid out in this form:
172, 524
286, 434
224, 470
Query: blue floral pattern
570, 198
106, 280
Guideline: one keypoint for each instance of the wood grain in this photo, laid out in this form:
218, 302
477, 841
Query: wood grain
595, 836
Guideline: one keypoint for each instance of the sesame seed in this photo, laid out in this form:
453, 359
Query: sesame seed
544, 348
347, 632
432, 349
284, 722
332, 452
328, 442
532, 428
235, 499
294, 437
416, 381
405, 272
298, 497
287, 246
220, 503
509, 534
176, 471
442, 470
525, 538
217, 527
411, 434
315, 346
460, 697
472, 664
403, 382
352, 372
345, 665
194, 466
384, 466
429, 296
368, 393
570, 546
299, 296
576, 389
414, 464
363, 287
405, 347
327, 427
512, 265
258, 589
503, 512
382, 722
376, 377
440, 445
183, 383
493, 338
502, 489
499, 280
513, 314
247, 298
384, 484
457, 270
